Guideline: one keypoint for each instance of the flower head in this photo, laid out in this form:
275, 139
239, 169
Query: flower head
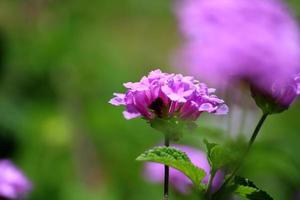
163, 95
233, 40
279, 97
13, 184
155, 172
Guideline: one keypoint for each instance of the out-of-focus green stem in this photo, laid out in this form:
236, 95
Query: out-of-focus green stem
210, 182
250, 143
256, 131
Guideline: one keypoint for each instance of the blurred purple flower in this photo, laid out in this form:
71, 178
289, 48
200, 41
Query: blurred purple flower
286, 92
238, 40
280, 96
297, 81
13, 184
163, 95
155, 172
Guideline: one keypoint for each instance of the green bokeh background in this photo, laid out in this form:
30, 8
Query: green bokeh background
60, 63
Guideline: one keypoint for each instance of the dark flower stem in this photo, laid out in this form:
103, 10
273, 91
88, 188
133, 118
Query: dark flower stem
167, 170
256, 131
250, 143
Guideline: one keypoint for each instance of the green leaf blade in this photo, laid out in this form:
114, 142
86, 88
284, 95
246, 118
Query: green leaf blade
247, 189
176, 159
219, 156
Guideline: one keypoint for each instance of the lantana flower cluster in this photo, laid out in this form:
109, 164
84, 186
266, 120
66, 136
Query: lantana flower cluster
164, 95
14, 184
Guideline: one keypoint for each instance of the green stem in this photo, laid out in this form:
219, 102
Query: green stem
167, 170
210, 182
256, 131
250, 143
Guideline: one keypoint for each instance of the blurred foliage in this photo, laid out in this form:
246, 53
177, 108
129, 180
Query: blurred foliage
60, 62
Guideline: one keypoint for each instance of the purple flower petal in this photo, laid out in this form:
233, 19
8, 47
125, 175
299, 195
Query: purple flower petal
206, 107
118, 100
131, 115
222, 110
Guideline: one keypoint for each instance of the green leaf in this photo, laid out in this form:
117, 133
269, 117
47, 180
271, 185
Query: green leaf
218, 156
171, 127
247, 189
242, 187
176, 159
244, 181
209, 146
